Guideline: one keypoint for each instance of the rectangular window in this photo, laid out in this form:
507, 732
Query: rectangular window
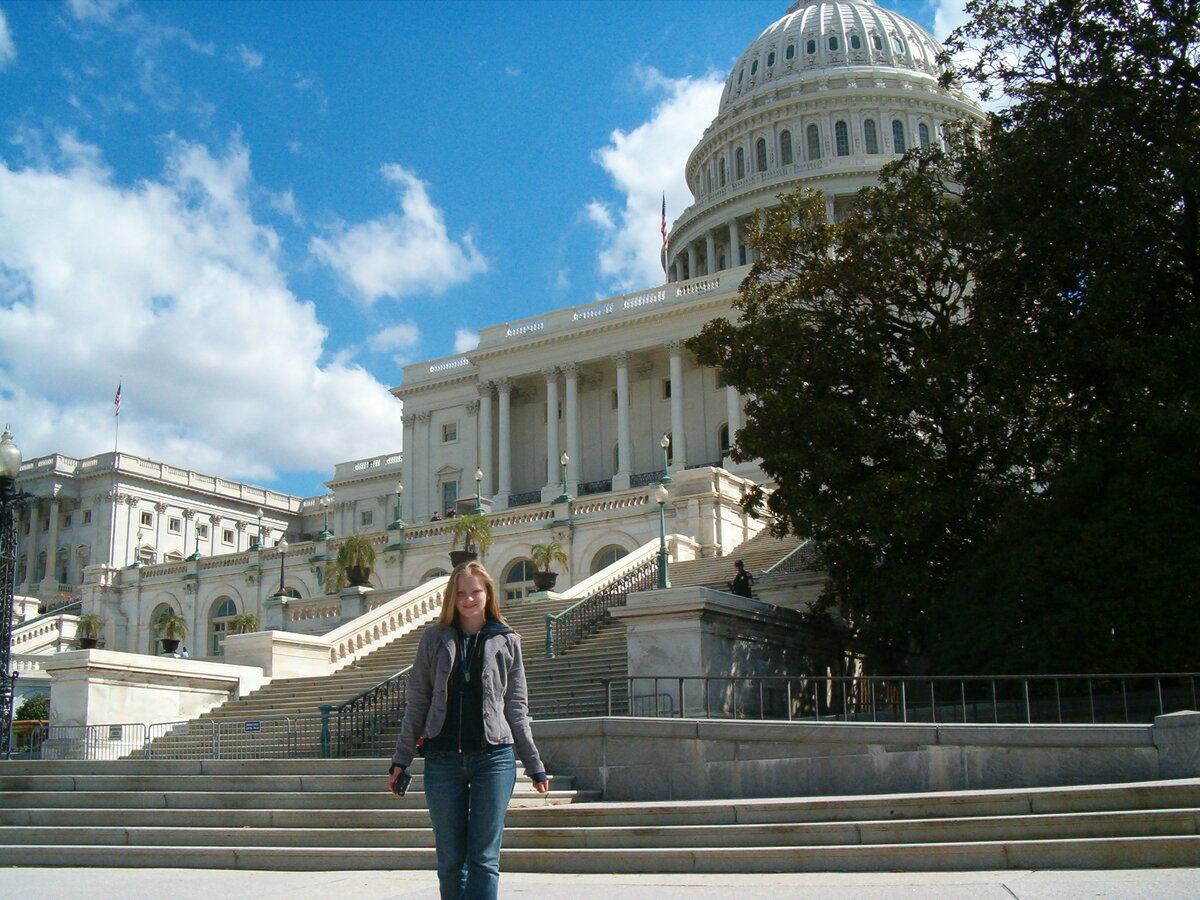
147, 518
366, 517
449, 495
614, 398
66, 521
202, 531
87, 517
227, 536
666, 389
449, 432
174, 525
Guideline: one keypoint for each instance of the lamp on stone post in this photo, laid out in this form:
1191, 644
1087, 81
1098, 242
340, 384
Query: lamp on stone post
258, 538
283, 597
478, 510
325, 534
398, 524
665, 443
661, 495
564, 497
10, 499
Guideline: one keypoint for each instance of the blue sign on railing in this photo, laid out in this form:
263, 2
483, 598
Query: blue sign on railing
253, 726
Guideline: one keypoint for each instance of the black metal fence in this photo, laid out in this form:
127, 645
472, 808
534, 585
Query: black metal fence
583, 618
362, 725
1016, 699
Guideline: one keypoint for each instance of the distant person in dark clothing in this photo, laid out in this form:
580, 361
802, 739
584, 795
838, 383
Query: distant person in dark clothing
743, 581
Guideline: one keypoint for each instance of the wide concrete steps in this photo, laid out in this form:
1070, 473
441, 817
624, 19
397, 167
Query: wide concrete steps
334, 814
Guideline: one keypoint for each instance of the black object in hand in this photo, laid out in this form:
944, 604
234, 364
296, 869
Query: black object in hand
400, 785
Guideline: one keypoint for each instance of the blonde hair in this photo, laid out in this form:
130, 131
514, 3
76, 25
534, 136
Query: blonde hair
491, 609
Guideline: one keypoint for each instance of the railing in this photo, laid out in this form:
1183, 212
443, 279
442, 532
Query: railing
1012, 699
792, 562
603, 486
641, 479
355, 728
581, 619
524, 499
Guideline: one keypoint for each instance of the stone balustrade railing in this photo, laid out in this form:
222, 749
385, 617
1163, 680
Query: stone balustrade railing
385, 622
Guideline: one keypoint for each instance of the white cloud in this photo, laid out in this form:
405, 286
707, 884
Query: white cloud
948, 15
398, 255
396, 337
643, 164
170, 286
465, 339
8, 50
250, 59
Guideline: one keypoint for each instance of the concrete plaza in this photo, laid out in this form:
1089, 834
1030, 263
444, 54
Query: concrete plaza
227, 884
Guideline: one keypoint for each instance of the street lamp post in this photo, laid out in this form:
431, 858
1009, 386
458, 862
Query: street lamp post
665, 443
137, 552
661, 495
564, 497
283, 598
258, 538
399, 522
10, 499
325, 534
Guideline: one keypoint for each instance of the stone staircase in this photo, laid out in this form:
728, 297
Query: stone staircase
760, 552
336, 815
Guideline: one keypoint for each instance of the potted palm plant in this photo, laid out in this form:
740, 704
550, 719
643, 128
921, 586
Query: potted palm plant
88, 630
171, 628
243, 623
545, 555
475, 532
355, 560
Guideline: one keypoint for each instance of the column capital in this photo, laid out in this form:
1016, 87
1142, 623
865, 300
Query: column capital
550, 373
214, 520
408, 418
424, 416
621, 357
570, 370
189, 514
675, 347
239, 526
160, 508
130, 500
485, 388
504, 385
472, 407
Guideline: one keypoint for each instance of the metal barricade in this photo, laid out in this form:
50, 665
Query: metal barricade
114, 741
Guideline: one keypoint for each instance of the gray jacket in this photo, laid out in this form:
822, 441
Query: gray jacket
505, 696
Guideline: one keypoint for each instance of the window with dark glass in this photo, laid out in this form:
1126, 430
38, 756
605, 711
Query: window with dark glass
739, 163
811, 46
923, 135
760, 154
721, 173
855, 42
754, 68
877, 41
833, 42
898, 44
785, 148
898, 135
870, 136
841, 138
771, 59
790, 53
814, 142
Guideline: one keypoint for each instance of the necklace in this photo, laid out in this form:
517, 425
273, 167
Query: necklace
469, 648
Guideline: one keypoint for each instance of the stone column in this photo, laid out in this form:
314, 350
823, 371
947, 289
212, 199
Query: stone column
422, 431
485, 438
504, 487
31, 546
735, 247
408, 468
733, 409
678, 438
52, 539
710, 250
574, 467
691, 258
550, 373
829, 213
624, 463
677, 269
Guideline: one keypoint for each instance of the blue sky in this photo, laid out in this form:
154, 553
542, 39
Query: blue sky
253, 214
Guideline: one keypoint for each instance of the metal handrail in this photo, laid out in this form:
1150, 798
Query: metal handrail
364, 717
583, 618
779, 564
996, 699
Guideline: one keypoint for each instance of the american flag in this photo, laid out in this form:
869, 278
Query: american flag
117, 401
664, 220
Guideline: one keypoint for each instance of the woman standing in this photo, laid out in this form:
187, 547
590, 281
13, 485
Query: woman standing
466, 698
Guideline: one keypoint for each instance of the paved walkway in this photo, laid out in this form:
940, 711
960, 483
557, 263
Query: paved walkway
226, 884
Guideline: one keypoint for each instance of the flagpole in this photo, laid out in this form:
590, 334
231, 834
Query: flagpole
117, 415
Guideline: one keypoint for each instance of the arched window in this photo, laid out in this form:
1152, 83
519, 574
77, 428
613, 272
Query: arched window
877, 41
739, 164
771, 59
741, 72
811, 46
708, 179
841, 138
518, 580
833, 42
855, 42
760, 154
785, 148
923, 135
870, 136
898, 135
754, 68
607, 557
721, 172
814, 142
898, 44
223, 611
155, 647
790, 53
723, 439
433, 573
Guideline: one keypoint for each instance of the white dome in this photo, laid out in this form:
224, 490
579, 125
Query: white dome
817, 35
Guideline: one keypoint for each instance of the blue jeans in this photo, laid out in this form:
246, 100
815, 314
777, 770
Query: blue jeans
468, 797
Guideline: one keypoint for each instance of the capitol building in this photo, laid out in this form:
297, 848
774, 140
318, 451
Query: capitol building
558, 426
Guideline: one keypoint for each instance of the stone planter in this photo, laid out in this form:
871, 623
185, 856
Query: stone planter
458, 557
544, 581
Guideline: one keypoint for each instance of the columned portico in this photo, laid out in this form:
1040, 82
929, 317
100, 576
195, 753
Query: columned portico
553, 484
624, 462
504, 487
